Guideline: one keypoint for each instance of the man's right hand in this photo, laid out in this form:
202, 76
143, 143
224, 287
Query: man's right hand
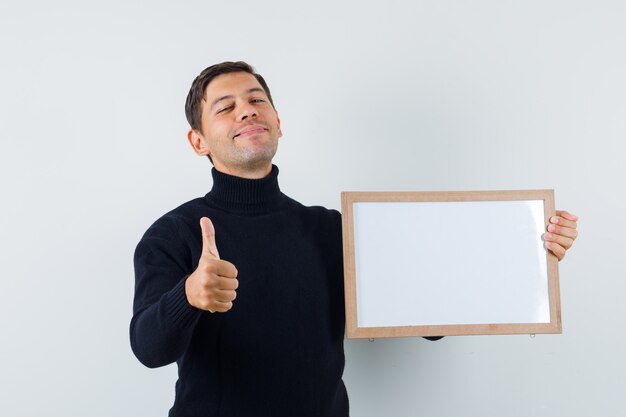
212, 285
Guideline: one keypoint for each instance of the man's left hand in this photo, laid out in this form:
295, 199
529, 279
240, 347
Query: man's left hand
561, 233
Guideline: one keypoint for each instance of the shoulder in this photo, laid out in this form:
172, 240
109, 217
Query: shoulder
321, 228
317, 212
316, 219
178, 220
175, 230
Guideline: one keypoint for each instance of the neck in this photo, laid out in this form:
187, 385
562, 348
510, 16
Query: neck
249, 172
246, 195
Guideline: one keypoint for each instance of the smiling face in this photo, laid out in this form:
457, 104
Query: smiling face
240, 128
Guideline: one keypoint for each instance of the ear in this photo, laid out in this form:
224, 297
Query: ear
197, 142
280, 132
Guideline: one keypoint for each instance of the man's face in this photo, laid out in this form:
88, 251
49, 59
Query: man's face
240, 128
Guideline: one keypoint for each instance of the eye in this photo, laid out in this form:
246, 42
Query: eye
257, 100
225, 109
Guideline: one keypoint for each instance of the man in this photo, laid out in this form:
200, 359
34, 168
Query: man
243, 288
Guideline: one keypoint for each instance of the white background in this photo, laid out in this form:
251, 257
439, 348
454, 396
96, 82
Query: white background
394, 95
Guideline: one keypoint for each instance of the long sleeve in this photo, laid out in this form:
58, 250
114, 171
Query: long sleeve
163, 321
279, 350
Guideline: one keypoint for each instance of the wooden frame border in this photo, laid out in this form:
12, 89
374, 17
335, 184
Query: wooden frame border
352, 329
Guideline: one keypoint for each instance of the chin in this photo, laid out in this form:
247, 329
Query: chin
259, 157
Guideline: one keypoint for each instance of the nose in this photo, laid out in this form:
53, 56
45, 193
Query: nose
247, 110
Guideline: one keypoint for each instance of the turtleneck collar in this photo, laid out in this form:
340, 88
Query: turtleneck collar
245, 195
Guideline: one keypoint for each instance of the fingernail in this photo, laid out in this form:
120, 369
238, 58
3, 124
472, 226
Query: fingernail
554, 219
548, 236
552, 228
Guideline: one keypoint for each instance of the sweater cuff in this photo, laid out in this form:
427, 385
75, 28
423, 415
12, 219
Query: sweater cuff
178, 308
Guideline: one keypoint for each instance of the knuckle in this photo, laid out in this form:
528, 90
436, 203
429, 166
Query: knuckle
232, 270
210, 268
208, 281
206, 294
204, 284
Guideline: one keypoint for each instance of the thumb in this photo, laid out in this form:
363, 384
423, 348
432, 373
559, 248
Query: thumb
209, 248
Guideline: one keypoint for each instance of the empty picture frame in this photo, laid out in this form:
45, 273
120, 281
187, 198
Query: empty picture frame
449, 263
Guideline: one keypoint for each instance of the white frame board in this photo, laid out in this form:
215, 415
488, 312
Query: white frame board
449, 263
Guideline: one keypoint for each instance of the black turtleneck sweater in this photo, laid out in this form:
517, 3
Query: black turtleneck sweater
279, 350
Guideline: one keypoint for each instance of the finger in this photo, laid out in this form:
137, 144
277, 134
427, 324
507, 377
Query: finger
562, 221
224, 283
220, 307
558, 250
226, 269
209, 248
224, 296
567, 215
562, 241
563, 231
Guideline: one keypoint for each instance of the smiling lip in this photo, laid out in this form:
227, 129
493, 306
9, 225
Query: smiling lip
250, 130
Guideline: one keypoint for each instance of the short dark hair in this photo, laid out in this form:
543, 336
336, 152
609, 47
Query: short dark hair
193, 105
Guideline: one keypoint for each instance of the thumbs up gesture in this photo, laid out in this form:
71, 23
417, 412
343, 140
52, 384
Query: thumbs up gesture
211, 287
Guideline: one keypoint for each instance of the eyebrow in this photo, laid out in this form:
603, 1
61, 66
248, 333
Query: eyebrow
248, 91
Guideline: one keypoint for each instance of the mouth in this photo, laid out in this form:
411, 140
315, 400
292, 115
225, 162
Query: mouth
250, 130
